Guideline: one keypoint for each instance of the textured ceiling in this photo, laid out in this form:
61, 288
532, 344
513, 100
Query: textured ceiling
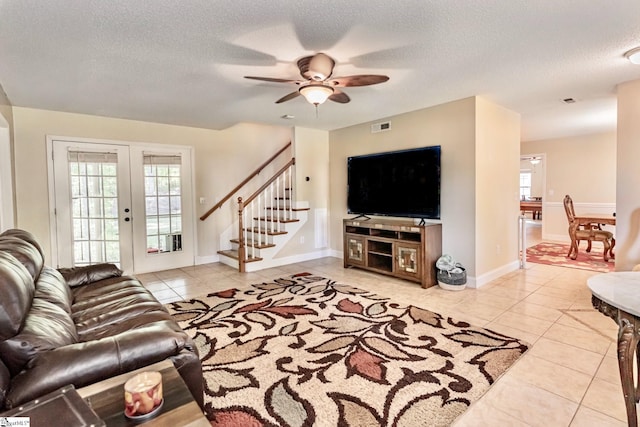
183, 61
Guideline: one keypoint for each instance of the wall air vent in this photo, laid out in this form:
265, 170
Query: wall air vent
380, 127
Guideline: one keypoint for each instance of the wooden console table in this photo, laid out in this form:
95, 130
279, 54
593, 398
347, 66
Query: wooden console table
533, 206
616, 295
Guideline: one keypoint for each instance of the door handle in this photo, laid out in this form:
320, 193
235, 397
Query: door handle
127, 219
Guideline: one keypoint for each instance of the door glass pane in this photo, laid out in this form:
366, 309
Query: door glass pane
94, 208
163, 213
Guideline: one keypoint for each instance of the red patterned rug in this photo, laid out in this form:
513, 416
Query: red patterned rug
308, 351
556, 254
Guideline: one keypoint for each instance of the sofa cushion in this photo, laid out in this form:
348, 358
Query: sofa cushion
23, 235
24, 252
108, 305
46, 327
52, 287
105, 291
16, 293
25, 248
85, 275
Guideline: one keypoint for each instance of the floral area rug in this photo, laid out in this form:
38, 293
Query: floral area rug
308, 351
556, 254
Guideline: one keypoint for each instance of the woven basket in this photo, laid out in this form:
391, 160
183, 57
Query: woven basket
455, 279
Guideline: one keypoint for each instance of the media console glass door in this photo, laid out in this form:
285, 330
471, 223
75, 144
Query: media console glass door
407, 257
355, 249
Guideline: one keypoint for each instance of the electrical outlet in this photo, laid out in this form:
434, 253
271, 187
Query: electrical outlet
301, 240
498, 249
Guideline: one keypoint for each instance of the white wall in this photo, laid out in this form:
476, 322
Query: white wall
222, 160
628, 177
450, 125
497, 189
6, 177
7, 199
7, 211
479, 171
582, 166
311, 150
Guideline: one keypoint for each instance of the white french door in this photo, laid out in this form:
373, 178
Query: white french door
126, 204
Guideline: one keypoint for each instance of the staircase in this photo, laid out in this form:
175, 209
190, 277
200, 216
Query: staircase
266, 220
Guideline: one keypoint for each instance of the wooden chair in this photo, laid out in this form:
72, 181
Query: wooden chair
588, 232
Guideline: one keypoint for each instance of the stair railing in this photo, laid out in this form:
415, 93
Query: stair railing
243, 183
275, 190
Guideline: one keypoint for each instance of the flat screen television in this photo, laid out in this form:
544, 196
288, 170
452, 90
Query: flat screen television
402, 183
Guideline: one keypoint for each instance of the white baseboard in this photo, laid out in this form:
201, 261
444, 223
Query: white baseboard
478, 282
277, 262
199, 260
472, 282
559, 238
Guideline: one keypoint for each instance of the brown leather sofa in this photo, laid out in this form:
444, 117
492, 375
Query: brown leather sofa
78, 326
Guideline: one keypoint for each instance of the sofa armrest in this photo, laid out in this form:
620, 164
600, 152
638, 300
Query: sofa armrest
188, 365
78, 276
85, 363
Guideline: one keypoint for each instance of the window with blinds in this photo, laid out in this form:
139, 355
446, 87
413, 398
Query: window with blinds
525, 185
163, 208
94, 198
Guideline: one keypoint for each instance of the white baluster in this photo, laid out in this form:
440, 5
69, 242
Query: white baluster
276, 223
290, 213
253, 239
243, 236
274, 198
286, 195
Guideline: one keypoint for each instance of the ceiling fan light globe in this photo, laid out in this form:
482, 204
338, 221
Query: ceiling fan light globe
316, 94
633, 55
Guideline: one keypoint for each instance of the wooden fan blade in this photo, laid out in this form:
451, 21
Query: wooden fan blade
358, 80
339, 96
288, 97
272, 79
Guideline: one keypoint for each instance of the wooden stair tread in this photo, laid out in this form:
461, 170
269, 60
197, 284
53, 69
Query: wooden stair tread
280, 220
257, 245
234, 254
263, 231
276, 208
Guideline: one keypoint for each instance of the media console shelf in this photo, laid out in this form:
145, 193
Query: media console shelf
400, 249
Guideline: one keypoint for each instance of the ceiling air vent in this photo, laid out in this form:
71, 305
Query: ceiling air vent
380, 127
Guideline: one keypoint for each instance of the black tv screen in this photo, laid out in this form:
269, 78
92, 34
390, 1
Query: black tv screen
397, 183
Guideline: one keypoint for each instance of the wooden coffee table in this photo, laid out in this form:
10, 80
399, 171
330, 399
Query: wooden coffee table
179, 409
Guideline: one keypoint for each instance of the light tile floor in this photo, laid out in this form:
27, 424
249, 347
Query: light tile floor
569, 377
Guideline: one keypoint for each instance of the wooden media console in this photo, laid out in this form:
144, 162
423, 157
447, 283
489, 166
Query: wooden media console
400, 249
